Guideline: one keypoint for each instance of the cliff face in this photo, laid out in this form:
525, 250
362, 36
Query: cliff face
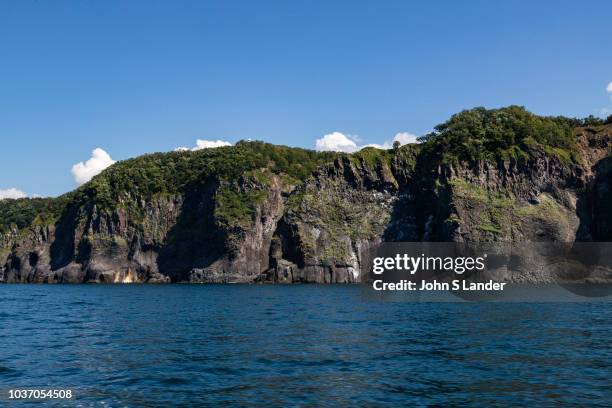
263, 224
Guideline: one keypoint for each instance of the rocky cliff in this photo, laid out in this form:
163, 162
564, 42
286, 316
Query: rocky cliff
256, 212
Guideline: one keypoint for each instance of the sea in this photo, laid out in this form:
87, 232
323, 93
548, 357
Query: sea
297, 346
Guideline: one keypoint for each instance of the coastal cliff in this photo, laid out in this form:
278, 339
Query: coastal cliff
256, 212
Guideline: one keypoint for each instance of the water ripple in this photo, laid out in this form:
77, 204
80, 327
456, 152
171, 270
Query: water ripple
184, 345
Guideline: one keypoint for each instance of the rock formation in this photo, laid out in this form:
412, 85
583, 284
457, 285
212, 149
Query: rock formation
245, 214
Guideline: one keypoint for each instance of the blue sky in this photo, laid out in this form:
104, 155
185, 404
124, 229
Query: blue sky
133, 77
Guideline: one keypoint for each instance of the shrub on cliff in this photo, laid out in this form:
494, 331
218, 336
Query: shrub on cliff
171, 173
489, 134
24, 212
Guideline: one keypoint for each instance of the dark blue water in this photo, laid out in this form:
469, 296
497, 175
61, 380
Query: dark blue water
183, 345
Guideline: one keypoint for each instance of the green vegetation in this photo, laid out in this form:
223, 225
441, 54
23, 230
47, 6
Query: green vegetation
481, 134
547, 209
342, 216
124, 184
235, 207
24, 212
371, 156
498, 213
171, 173
495, 209
590, 121
243, 171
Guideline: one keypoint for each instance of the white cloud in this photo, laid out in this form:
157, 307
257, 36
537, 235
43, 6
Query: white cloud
83, 172
608, 109
402, 137
405, 138
376, 146
12, 193
204, 144
339, 142
336, 142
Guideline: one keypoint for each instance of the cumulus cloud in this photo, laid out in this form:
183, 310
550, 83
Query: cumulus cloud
607, 110
402, 137
204, 144
336, 142
85, 171
339, 142
12, 193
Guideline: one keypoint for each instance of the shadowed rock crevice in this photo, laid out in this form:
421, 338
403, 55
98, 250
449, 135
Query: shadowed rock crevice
595, 205
194, 241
